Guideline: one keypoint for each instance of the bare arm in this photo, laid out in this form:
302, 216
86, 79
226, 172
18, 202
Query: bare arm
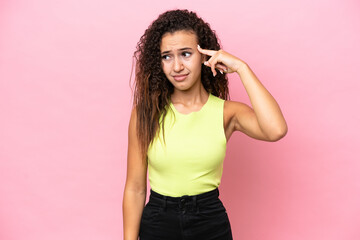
135, 187
264, 121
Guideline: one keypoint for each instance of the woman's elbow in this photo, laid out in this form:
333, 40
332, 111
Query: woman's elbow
278, 134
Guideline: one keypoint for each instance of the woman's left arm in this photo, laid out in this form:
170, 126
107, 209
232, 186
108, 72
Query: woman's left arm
265, 120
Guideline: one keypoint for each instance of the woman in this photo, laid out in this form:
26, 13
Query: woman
179, 127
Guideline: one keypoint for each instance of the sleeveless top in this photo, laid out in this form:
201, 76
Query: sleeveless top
190, 161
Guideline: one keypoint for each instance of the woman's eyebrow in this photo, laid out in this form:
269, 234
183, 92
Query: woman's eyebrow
181, 49
186, 48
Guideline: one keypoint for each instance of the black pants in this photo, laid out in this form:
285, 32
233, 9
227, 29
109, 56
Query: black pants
195, 217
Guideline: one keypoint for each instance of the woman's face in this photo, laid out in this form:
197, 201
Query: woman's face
181, 61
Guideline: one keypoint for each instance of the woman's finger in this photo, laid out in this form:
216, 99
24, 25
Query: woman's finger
212, 62
206, 51
221, 67
213, 69
212, 66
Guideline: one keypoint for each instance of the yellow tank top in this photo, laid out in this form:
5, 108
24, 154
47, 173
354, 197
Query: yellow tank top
191, 162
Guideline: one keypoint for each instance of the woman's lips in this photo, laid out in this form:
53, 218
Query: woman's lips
180, 77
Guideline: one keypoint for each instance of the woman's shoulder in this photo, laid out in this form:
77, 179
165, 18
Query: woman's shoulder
233, 107
230, 107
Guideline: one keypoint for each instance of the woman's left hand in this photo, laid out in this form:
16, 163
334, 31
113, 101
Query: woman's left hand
221, 60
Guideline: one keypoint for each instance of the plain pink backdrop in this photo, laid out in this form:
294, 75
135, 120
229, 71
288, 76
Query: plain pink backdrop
65, 104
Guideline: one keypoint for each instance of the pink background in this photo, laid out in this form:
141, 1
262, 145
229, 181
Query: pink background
65, 103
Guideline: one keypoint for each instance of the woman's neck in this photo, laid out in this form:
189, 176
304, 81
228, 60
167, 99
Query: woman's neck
191, 99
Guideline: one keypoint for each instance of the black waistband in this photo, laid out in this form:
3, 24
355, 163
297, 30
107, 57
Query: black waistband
207, 195
184, 202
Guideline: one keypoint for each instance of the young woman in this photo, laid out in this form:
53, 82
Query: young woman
179, 127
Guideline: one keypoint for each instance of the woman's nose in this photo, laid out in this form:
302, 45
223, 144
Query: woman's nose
178, 65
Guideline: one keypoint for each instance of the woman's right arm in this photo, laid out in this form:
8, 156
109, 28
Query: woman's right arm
135, 187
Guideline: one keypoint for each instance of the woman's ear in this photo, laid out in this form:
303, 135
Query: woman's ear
203, 58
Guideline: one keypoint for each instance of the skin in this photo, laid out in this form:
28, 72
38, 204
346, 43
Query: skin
181, 60
181, 57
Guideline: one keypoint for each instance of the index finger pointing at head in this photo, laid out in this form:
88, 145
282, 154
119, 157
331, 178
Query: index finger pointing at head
206, 51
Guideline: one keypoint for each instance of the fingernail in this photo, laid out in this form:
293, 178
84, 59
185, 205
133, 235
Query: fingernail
198, 46
206, 63
221, 72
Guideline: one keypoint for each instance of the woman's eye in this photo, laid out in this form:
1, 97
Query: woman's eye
186, 54
165, 57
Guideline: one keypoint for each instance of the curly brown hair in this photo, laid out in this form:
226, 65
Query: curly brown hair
152, 88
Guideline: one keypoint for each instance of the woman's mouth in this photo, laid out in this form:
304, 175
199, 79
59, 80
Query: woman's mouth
181, 77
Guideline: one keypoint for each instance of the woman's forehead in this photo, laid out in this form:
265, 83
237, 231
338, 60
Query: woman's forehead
178, 39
